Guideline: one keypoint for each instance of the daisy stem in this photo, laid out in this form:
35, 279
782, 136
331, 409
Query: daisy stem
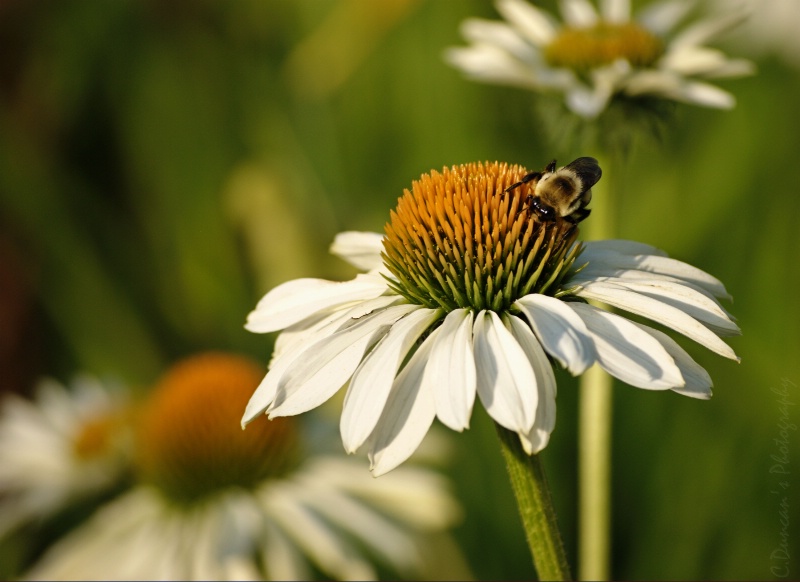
595, 404
535, 508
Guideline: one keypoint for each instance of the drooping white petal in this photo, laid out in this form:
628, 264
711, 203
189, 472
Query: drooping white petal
602, 263
698, 382
323, 368
533, 24
373, 379
702, 31
506, 382
297, 340
615, 11
295, 300
450, 372
698, 93
281, 558
491, 64
628, 353
674, 318
694, 60
360, 249
700, 306
559, 329
539, 435
406, 418
662, 17
497, 34
578, 13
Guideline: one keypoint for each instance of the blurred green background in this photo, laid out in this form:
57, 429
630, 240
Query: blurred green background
164, 164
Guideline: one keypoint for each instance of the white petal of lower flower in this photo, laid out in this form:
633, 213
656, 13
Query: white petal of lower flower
407, 416
628, 353
578, 13
295, 300
539, 435
282, 559
559, 329
323, 368
703, 308
615, 11
360, 249
633, 302
450, 372
698, 382
385, 538
506, 380
532, 23
372, 380
662, 17
329, 551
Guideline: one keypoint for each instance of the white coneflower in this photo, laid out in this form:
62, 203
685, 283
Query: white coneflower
66, 444
216, 503
472, 294
594, 55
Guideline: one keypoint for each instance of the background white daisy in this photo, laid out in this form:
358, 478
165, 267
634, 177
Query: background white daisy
214, 503
593, 55
65, 445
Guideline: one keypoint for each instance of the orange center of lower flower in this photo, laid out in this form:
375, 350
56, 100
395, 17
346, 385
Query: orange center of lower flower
458, 240
189, 440
583, 49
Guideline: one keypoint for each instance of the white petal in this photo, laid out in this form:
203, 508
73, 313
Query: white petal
539, 435
628, 353
294, 341
497, 34
326, 548
372, 380
360, 249
296, 300
534, 24
608, 261
662, 17
694, 60
696, 304
578, 13
628, 300
281, 558
705, 30
592, 249
615, 11
450, 373
587, 102
406, 418
490, 64
506, 381
323, 368
698, 382
706, 95
559, 329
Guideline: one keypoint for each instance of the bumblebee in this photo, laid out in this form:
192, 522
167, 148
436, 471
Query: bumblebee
564, 192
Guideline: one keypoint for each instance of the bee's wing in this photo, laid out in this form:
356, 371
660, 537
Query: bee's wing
588, 170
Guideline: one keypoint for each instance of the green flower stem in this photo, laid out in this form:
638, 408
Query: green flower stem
594, 437
535, 507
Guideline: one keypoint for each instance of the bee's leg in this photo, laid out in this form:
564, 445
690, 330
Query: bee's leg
525, 179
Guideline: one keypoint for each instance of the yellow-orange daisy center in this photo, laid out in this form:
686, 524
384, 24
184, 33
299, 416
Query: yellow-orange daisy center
457, 239
189, 440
